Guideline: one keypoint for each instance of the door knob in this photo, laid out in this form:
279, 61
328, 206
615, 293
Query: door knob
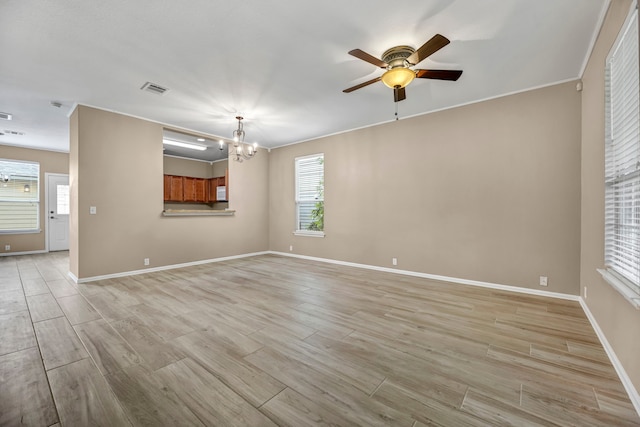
52, 217
52, 212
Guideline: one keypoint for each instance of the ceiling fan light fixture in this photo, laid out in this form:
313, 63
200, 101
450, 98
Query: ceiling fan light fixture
398, 77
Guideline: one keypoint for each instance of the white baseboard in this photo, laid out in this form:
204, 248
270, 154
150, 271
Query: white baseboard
162, 268
23, 253
634, 396
509, 288
622, 374
624, 378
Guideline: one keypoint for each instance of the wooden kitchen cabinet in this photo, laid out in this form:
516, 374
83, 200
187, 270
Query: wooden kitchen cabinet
195, 190
173, 188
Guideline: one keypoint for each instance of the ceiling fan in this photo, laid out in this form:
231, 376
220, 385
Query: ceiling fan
398, 62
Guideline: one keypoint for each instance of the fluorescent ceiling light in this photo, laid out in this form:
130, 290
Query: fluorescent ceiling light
184, 144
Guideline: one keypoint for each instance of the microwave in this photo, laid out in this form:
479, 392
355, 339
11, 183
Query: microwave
221, 193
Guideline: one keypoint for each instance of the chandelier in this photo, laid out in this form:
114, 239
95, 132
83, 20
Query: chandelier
239, 150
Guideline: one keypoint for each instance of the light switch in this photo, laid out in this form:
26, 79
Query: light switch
92, 210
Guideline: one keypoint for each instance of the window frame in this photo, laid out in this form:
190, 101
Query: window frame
36, 200
622, 189
298, 231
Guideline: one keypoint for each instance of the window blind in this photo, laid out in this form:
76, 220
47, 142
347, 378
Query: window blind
310, 192
622, 157
19, 196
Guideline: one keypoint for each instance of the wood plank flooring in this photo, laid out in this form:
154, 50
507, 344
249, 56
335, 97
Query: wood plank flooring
271, 340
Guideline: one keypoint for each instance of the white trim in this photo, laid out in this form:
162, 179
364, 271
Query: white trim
46, 205
623, 30
161, 268
621, 287
309, 233
73, 277
23, 253
594, 37
26, 147
164, 124
624, 378
463, 104
9, 232
622, 374
196, 160
509, 288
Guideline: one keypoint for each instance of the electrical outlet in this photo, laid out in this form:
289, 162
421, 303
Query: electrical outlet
394, 261
93, 210
290, 248
146, 261
7, 247
543, 281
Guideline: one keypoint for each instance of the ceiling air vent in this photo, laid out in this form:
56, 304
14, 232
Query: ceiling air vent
6, 116
154, 88
13, 132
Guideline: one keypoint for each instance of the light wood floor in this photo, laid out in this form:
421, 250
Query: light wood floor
271, 340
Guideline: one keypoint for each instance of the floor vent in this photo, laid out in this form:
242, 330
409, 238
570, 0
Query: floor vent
154, 88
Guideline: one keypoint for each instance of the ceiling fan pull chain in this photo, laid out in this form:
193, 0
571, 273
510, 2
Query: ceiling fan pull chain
396, 110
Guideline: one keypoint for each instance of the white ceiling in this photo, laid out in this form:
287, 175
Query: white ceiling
282, 65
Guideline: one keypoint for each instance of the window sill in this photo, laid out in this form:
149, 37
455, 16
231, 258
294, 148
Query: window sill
309, 233
197, 212
621, 287
20, 231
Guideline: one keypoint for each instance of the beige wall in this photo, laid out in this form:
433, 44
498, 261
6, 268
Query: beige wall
219, 168
186, 167
119, 170
619, 321
488, 192
50, 162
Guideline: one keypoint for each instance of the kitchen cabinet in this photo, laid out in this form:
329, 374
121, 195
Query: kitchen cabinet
173, 188
195, 190
214, 183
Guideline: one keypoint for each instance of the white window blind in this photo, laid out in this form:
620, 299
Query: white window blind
310, 193
19, 196
622, 180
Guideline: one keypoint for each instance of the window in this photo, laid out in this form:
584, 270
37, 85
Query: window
622, 175
310, 195
62, 200
19, 196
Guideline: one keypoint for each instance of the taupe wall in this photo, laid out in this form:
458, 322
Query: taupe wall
50, 162
619, 321
119, 170
186, 167
488, 192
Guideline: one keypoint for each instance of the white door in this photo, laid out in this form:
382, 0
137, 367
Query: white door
58, 212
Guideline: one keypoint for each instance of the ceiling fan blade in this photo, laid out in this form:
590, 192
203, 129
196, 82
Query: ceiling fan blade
436, 43
439, 74
367, 83
399, 94
360, 54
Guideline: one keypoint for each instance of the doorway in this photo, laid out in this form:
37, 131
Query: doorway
58, 206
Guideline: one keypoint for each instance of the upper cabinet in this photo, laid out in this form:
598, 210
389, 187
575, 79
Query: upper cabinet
196, 190
173, 188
